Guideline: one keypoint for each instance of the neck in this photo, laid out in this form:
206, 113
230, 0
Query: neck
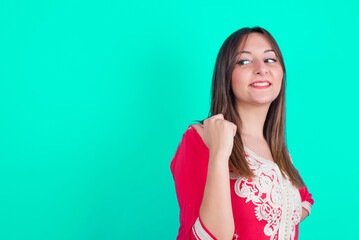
253, 118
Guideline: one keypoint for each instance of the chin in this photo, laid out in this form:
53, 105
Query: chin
263, 101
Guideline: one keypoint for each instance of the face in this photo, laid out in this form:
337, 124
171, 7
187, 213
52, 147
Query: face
256, 62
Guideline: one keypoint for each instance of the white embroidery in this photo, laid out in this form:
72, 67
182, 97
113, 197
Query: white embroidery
276, 200
307, 206
293, 210
199, 232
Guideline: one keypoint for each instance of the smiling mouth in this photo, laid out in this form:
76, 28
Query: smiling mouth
260, 84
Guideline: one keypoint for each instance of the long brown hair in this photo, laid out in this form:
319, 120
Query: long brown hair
223, 101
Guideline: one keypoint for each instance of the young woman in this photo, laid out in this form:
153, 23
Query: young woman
233, 173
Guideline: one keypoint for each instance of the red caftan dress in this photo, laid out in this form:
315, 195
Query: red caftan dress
268, 207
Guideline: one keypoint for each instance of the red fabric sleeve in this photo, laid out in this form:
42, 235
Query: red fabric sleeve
189, 170
307, 200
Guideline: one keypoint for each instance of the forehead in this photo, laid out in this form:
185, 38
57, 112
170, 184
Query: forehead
255, 41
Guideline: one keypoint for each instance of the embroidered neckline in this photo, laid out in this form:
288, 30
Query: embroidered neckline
263, 160
276, 200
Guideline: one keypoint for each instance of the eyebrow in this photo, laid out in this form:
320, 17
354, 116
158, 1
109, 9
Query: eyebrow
244, 51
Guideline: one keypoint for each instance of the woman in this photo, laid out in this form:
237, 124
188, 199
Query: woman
233, 174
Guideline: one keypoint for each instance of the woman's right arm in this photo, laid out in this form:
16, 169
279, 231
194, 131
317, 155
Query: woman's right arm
216, 208
200, 172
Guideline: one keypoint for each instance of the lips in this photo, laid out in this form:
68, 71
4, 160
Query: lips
262, 81
262, 84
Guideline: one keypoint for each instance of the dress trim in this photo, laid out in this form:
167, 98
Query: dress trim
281, 211
307, 206
199, 232
255, 156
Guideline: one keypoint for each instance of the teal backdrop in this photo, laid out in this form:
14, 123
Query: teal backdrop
96, 95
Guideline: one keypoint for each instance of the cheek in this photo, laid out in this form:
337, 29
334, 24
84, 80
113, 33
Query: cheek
279, 74
279, 78
234, 79
236, 84
237, 78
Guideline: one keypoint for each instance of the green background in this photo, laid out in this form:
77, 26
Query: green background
95, 97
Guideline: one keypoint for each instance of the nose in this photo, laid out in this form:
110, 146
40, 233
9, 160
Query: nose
261, 68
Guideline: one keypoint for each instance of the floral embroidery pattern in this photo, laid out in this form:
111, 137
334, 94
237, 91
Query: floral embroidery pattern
297, 212
268, 196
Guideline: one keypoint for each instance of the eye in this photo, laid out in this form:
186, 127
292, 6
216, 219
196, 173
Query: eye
270, 60
243, 62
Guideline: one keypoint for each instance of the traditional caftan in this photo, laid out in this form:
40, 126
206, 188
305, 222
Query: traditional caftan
268, 207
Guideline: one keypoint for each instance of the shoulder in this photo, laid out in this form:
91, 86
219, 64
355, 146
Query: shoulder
191, 153
193, 138
198, 128
196, 132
